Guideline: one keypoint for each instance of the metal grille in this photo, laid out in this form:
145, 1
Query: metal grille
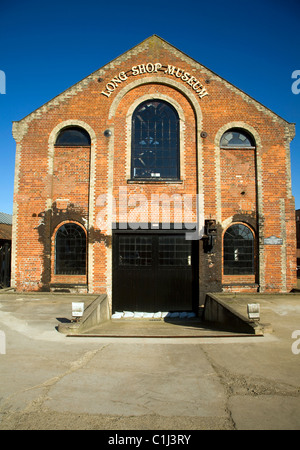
70, 250
155, 141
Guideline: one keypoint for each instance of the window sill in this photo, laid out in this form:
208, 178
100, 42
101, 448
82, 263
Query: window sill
56, 278
73, 145
238, 279
232, 147
245, 283
153, 181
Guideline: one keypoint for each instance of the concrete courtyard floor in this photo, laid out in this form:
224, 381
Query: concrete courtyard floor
225, 382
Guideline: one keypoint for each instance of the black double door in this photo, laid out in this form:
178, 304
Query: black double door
154, 272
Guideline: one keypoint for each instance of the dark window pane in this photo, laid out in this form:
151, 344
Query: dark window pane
236, 138
73, 136
70, 250
135, 251
174, 251
238, 251
155, 141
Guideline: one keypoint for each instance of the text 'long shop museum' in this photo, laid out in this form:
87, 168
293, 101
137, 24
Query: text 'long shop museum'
153, 180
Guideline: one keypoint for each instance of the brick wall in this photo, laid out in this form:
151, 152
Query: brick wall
53, 184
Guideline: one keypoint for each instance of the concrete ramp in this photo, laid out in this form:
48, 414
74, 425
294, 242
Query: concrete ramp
224, 315
229, 312
156, 329
94, 315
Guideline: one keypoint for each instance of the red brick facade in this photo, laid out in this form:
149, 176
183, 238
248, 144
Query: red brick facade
56, 185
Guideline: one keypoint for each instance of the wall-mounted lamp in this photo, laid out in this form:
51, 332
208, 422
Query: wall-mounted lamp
107, 133
210, 235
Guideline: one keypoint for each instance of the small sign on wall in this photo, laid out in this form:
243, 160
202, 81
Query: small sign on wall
273, 240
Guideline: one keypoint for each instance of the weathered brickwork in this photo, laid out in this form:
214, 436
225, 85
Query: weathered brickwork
56, 185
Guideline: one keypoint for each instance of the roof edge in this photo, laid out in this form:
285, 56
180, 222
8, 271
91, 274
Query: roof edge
86, 80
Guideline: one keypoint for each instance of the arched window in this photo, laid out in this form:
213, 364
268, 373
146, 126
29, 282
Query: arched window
237, 138
155, 141
73, 137
70, 250
238, 250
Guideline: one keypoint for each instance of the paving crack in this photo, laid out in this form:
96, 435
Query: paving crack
38, 402
245, 385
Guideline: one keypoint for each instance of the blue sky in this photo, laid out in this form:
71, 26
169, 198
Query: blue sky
46, 47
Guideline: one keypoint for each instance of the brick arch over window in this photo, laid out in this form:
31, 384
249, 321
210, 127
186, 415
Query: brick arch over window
198, 115
257, 149
71, 123
163, 81
238, 125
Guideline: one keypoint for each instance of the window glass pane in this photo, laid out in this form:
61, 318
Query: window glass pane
73, 136
70, 250
174, 251
236, 138
238, 251
135, 250
155, 141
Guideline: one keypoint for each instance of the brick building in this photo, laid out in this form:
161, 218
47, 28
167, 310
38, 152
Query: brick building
156, 181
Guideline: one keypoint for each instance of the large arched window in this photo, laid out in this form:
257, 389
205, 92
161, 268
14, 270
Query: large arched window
237, 138
73, 137
155, 141
238, 250
70, 250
